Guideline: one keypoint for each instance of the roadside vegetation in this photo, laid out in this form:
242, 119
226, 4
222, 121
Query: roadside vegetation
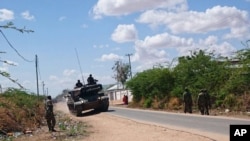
20, 111
22, 115
226, 79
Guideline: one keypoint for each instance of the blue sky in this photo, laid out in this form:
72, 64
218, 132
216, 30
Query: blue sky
104, 31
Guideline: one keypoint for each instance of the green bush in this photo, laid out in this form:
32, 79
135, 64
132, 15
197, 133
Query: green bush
148, 103
24, 110
230, 101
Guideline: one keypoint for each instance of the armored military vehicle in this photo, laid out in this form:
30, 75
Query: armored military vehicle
87, 97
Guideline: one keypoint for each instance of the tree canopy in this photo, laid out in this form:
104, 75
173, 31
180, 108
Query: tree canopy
221, 76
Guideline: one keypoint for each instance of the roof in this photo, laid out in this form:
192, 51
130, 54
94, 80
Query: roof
116, 87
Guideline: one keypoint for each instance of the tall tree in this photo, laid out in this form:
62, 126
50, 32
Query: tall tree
121, 71
200, 71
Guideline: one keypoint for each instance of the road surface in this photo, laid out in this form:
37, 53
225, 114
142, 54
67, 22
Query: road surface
190, 122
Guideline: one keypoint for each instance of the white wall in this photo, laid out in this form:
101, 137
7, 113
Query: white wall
116, 95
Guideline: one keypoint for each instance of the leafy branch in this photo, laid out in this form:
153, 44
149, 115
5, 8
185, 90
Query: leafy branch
7, 75
11, 26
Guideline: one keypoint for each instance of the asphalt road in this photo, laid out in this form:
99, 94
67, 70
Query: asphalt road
212, 124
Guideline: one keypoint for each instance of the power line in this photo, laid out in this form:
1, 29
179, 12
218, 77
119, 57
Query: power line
14, 48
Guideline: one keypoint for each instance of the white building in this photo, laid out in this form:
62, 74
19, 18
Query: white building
116, 93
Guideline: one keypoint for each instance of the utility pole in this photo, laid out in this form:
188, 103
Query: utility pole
37, 86
43, 88
129, 54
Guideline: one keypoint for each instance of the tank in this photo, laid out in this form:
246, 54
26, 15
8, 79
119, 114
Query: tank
87, 97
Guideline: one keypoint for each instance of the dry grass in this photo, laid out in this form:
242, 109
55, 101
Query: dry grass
15, 118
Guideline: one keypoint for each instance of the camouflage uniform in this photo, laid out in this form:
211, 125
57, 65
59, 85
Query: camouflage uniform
91, 80
207, 103
188, 102
49, 115
201, 101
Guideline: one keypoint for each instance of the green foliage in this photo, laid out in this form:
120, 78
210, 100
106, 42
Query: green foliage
177, 92
230, 101
70, 127
148, 103
201, 70
151, 83
21, 98
20, 110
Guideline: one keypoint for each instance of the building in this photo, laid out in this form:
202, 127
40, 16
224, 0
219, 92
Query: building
116, 94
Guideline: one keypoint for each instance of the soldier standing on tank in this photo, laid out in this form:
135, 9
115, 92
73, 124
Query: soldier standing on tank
188, 102
207, 102
91, 80
49, 114
201, 101
78, 84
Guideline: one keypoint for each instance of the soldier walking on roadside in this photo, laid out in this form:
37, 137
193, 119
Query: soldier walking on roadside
207, 102
49, 115
201, 100
188, 102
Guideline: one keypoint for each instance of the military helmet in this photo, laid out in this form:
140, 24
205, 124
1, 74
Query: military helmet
49, 97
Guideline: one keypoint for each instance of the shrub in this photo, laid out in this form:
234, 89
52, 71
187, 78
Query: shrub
148, 103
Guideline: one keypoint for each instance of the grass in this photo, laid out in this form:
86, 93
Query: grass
20, 111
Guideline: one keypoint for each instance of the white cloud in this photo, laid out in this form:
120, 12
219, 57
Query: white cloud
210, 40
101, 46
210, 44
165, 40
53, 77
125, 7
6, 15
158, 48
224, 49
84, 26
239, 32
4, 68
154, 49
214, 19
124, 33
68, 72
7, 64
26, 15
108, 57
62, 18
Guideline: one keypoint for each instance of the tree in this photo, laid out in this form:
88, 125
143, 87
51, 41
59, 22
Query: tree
121, 71
154, 84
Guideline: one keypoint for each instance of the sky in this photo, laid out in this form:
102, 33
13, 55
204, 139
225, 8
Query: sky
75, 38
